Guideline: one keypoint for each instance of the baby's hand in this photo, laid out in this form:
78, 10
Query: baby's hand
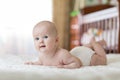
29, 63
33, 63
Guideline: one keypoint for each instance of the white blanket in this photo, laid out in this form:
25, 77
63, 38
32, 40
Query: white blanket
12, 68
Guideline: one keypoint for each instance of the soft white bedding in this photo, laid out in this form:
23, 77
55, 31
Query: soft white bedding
12, 68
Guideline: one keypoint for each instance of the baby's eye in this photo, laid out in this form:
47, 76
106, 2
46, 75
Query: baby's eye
37, 38
45, 37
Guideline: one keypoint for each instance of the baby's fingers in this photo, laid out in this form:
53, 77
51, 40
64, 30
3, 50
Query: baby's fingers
29, 63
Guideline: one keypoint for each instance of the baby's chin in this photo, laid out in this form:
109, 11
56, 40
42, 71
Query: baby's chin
43, 50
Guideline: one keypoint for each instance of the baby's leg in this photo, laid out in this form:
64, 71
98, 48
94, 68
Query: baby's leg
99, 58
101, 42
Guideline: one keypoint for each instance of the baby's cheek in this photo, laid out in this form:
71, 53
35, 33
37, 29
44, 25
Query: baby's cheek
36, 47
49, 46
49, 43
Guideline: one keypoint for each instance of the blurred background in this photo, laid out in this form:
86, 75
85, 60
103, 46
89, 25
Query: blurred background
18, 17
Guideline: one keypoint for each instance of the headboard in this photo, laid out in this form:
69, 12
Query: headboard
102, 24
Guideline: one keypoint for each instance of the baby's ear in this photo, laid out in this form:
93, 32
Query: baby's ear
57, 39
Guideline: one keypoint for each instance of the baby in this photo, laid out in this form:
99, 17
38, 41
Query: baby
50, 54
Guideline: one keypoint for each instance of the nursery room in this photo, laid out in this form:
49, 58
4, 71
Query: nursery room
76, 27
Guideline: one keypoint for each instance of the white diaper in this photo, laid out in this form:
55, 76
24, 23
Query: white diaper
83, 53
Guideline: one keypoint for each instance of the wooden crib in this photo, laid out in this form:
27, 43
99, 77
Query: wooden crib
102, 24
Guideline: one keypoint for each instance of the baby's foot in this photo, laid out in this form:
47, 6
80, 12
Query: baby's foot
90, 45
92, 41
103, 43
100, 42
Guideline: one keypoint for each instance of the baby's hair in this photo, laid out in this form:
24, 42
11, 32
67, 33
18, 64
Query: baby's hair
48, 24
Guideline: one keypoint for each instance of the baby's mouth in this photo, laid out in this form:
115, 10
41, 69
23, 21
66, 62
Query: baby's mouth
42, 46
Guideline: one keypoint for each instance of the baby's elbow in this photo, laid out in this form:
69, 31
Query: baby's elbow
78, 64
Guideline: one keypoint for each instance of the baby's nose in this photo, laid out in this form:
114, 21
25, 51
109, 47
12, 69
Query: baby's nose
40, 40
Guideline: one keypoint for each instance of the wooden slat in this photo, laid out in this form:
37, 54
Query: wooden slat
107, 20
119, 27
100, 15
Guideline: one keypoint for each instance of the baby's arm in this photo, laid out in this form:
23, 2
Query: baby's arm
39, 62
70, 61
33, 63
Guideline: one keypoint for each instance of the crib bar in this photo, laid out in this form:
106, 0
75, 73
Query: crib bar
114, 23
100, 15
110, 30
118, 26
106, 22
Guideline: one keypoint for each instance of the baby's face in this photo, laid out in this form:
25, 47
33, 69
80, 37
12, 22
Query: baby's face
44, 39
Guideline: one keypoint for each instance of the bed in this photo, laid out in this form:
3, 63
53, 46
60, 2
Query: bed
12, 68
101, 22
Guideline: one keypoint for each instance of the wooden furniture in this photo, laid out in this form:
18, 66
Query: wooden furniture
74, 32
102, 23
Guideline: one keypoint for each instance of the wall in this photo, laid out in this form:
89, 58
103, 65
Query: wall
61, 16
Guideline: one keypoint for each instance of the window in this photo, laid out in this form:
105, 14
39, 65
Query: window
17, 19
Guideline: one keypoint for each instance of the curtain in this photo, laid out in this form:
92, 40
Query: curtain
17, 20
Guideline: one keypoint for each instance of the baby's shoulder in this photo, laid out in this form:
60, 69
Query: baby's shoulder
63, 52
